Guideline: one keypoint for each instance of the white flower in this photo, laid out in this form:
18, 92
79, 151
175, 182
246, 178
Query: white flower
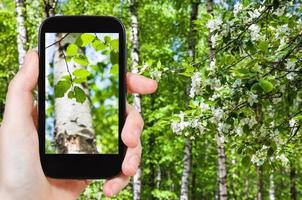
237, 83
252, 99
252, 122
218, 114
214, 83
239, 131
281, 30
213, 40
292, 122
195, 85
237, 8
212, 64
254, 14
204, 106
284, 160
279, 12
254, 30
290, 66
214, 24
156, 74
223, 127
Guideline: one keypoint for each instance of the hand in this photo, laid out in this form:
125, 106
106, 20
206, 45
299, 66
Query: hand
20, 169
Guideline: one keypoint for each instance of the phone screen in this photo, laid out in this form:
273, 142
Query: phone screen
81, 93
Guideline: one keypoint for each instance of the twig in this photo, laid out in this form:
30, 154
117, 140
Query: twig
58, 41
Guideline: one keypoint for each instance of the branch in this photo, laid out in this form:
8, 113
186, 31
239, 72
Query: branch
58, 41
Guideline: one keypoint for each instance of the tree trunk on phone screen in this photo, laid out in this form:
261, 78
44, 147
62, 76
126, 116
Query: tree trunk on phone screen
74, 132
222, 172
21, 30
271, 187
136, 98
184, 188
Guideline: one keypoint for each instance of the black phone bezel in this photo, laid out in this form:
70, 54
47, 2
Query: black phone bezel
81, 166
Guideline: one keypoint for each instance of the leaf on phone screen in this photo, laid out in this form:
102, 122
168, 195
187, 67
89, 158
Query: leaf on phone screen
98, 45
113, 57
72, 50
61, 88
86, 39
114, 45
114, 69
81, 59
79, 94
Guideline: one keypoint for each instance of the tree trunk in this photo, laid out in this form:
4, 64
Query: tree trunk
260, 182
222, 172
184, 188
74, 132
271, 187
21, 30
136, 98
293, 190
49, 7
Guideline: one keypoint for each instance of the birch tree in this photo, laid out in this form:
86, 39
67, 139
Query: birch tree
21, 30
184, 189
222, 172
134, 39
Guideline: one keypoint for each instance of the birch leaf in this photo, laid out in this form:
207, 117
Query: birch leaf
86, 39
81, 59
81, 73
79, 94
114, 69
113, 57
61, 88
72, 50
98, 45
114, 45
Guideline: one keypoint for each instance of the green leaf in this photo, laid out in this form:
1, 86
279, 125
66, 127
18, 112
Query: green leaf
114, 69
266, 85
87, 38
114, 45
72, 50
81, 73
71, 94
107, 39
98, 45
81, 59
263, 45
61, 88
79, 94
113, 57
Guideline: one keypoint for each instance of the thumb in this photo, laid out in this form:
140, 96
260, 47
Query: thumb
19, 101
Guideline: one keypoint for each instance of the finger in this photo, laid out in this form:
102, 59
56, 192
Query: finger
114, 186
132, 160
35, 114
19, 103
133, 127
140, 84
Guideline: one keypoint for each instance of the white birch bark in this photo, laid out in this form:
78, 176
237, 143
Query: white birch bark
136, 98
73, 121
222, 172
271, 187
184, 188
21, 30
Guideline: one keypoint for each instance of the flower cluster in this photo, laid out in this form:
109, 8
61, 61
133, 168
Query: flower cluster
195, 85
214, 24
255, 32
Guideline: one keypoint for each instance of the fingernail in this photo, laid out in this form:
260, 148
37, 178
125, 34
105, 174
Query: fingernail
114, 189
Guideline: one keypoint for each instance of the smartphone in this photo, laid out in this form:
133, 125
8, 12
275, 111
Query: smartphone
81, 96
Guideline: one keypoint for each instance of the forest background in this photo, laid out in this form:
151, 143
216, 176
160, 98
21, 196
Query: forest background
225, 121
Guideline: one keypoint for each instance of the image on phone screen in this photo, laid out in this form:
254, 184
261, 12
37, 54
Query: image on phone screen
81, 93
